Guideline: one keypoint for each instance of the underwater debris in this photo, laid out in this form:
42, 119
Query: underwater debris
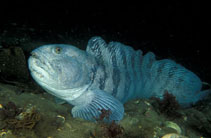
27, 119
10, 110
16, 118
168, 105
107, 130
104, 115
112, 130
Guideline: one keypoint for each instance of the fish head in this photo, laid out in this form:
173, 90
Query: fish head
59, 66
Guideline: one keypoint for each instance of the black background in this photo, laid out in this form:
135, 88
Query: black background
169, 29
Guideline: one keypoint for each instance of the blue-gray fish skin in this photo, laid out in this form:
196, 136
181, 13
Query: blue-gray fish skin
118, 70
105, 76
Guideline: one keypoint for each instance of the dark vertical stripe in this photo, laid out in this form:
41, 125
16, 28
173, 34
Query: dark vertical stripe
124, 57
182, 76
116, 72
116, 80
94, 71
133, 64
103, 78
156, 68
172, 71
159, 70
97, 47
127, 87
133, 61
169, 74
127, 76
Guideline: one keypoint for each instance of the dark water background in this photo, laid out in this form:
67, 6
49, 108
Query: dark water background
169, 29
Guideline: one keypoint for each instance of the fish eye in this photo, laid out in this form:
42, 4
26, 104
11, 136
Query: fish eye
58, 50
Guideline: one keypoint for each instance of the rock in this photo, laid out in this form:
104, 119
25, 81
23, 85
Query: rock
2, 115
2, 124
199, 121
13, 64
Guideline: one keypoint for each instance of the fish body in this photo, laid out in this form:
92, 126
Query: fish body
105, 76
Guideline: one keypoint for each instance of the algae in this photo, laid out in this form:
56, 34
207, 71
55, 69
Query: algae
37, 115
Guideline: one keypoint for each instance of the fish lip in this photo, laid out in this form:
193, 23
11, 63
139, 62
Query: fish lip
35, 66
37, 56
35, 71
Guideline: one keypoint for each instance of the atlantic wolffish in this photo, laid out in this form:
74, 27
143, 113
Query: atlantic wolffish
105, 76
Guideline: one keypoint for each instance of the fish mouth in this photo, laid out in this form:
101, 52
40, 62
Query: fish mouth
38, 66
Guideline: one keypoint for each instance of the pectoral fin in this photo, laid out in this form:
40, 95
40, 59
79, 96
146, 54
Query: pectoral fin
90, 104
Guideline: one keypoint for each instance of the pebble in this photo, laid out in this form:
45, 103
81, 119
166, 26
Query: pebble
173, 125
60, 119
173, 135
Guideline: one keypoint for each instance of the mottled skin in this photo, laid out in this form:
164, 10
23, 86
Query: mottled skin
62, 71
67, 73
107, 75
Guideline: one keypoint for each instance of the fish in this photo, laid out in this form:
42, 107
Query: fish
107, 75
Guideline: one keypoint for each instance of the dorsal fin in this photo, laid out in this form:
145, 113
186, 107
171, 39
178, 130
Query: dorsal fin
114, 53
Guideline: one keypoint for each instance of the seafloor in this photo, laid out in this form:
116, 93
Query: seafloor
36, 115
26, 111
